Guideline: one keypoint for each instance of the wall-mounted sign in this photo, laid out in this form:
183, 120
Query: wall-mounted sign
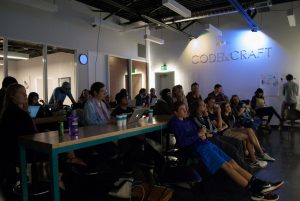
232, 56
164, 67
83, 59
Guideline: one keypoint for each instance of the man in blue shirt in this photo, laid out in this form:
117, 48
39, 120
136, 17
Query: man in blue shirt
59, 94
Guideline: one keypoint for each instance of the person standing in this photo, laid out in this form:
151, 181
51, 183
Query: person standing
290, 92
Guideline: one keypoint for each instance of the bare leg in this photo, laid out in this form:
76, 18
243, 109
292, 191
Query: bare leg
254, 140
242, 171
235, 175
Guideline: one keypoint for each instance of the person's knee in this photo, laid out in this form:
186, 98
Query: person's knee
226, 166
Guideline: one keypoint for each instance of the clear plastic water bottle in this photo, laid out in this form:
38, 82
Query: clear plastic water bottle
73, 124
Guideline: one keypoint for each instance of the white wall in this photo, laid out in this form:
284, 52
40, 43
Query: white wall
69, 27
240, 76
30, 73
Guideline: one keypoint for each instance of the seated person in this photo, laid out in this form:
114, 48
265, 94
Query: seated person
151, 97
141, 98
214, 112
59, 95
195, 142
5, 83
230, 120
218, 94
194, 94
242, 112
164, 105
122, 107
95, 109
33, 99
232, 147
85, 96
258, 104
178, 95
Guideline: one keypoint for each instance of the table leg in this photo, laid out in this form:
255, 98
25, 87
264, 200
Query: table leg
54, 176
23, 169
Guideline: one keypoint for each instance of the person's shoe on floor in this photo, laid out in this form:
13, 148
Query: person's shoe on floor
258, 164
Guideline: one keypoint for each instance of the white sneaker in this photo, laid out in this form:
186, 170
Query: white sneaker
259, 164
267, 157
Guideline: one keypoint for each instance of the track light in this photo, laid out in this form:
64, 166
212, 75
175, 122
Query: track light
291, 18
154, 39
212, 29
15, 55
177, 8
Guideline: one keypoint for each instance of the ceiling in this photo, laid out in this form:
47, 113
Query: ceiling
133, 10
33, 50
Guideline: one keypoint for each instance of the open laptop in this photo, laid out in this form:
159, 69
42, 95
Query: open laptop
136, 115
33, 111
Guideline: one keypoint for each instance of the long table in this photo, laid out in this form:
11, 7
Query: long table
53, 144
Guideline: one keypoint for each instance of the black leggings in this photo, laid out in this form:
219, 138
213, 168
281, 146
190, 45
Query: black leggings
267, 111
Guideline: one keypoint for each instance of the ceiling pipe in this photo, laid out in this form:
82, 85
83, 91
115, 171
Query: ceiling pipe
244, 14
213, 13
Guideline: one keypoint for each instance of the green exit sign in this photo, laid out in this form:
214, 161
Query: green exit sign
164, 67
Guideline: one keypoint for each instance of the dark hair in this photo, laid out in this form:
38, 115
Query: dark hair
31, 96
96, 86
217, 86
289, 77
209, 98
119, 97
258, 91
142, 90
194, 84
164, 92
194, 108
8, 99
123, 91
8, 81
177, 105
223, 107
231, 99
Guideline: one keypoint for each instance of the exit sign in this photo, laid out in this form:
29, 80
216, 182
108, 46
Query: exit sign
164, 67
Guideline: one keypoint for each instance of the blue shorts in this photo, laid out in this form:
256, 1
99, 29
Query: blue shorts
211, 155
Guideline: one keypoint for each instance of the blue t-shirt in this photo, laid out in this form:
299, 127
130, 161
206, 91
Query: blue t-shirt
186, 132
59, 96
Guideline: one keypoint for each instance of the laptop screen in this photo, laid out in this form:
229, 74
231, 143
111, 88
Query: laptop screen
33, 110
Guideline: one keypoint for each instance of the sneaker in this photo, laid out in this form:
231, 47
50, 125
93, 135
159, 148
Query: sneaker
266, 197
258, 164
266, 157
271, 187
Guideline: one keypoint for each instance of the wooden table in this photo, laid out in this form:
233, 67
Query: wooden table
53, 144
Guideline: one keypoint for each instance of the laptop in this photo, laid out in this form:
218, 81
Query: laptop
153, 102
136, 115
33, 111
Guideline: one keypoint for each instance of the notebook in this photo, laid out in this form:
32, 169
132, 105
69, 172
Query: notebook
33, 111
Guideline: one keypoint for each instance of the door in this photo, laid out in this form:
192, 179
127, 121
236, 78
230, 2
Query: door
164, 80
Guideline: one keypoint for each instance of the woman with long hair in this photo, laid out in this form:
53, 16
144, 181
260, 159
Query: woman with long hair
230, 120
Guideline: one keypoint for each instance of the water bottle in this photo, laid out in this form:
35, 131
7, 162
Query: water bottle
73, 124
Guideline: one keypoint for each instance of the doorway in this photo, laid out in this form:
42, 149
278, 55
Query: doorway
164, 80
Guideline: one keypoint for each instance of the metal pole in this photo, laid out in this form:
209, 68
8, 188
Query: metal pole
5, 60
45, 73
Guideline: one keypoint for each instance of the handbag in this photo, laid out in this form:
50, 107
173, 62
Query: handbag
147, 192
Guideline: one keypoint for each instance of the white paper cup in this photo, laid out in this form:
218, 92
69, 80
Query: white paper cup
124, 120
119, 120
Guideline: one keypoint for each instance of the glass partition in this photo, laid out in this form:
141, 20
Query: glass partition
25, 63
118, 72
1, 61
61, 68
